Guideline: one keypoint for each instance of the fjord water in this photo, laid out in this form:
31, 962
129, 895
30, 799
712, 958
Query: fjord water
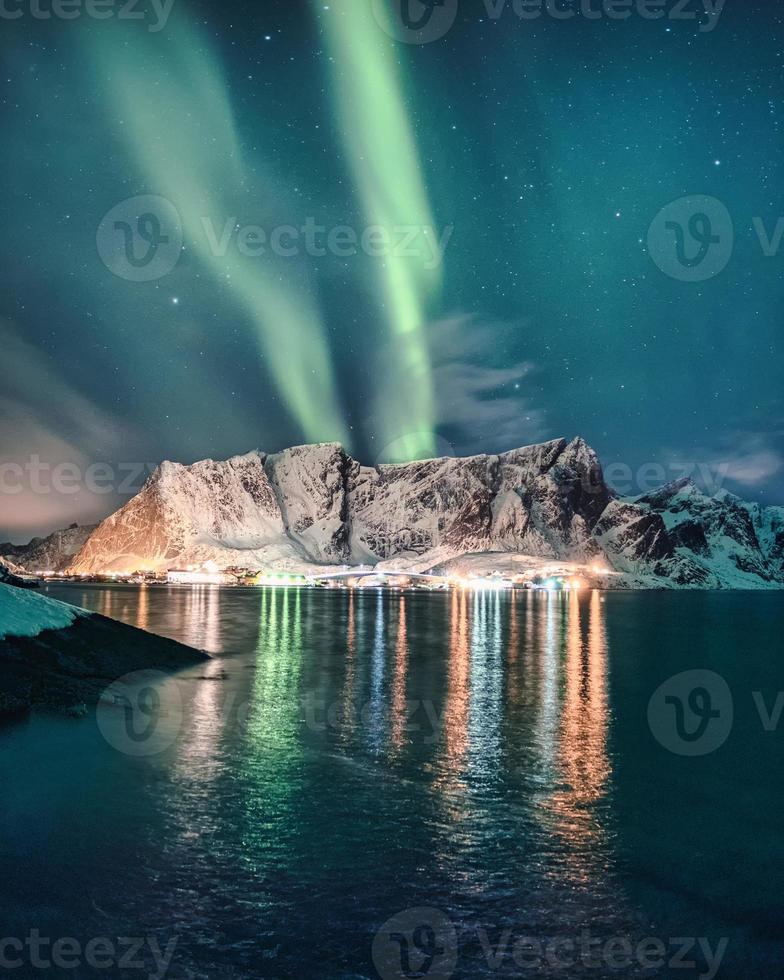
349, 756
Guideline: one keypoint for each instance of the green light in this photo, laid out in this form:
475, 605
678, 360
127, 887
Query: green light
382, 153
168, 98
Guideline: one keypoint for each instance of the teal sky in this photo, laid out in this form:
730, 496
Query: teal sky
537, 154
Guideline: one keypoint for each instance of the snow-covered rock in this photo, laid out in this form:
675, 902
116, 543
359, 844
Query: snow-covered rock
11, 574
55, 655
53, 553
187, 515
24, 613
312, 506
310, 487
727, 542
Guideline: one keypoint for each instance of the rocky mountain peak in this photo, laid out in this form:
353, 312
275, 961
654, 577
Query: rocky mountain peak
315, 505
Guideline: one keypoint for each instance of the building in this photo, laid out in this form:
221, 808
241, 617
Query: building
202, 576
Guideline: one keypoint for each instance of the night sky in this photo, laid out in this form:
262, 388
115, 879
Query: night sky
542, 149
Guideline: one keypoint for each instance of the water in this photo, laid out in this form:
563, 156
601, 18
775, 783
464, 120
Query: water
351, 756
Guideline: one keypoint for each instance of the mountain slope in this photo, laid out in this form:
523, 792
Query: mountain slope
311, 506
53, 553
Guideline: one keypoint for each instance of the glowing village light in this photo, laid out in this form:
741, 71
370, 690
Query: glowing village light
481, 584
208, 574
279, 580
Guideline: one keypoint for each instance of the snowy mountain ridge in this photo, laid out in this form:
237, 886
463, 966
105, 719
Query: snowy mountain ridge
52, 553
314, 506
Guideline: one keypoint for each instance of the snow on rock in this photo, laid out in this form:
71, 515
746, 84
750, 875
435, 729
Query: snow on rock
717, 535
185, 515
310, 487
314, 506
55, 656
24, 613
412, 508
53, 553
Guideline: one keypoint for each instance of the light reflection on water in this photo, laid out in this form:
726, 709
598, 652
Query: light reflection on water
464, 754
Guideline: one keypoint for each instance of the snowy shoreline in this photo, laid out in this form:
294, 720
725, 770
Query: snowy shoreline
55, 656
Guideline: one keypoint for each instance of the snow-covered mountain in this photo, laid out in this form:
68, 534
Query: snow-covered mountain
312, 506
53, 553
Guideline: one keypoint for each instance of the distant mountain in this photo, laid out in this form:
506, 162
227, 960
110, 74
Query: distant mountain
53, 553
314, 505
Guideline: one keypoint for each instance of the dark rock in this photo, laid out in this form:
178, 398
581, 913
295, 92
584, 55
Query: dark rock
68, 669
690, 535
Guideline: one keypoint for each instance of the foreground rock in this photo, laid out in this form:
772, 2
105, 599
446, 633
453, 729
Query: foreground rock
53, 655
13, 575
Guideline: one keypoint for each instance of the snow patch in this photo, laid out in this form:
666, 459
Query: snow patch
24, 613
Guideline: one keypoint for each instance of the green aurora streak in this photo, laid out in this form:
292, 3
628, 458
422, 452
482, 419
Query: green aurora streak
381, 150
178, 122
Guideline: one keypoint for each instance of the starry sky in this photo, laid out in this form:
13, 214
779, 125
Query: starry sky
544, 155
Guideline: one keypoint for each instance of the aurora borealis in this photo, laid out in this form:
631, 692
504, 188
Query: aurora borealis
381, 148
510, 169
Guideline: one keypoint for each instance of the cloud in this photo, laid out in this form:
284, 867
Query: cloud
747, 458
34, 390
482, 404
46, 423
754, 462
